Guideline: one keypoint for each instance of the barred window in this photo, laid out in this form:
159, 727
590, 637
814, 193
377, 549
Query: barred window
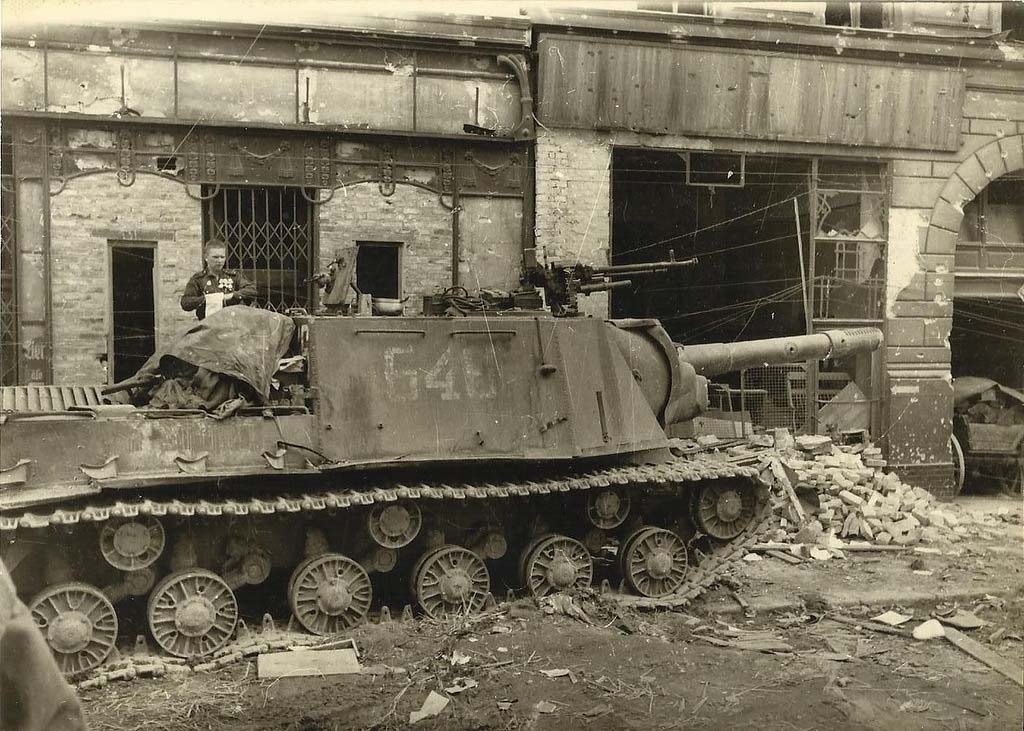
269, 232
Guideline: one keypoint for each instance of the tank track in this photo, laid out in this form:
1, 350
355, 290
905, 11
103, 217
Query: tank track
680, 471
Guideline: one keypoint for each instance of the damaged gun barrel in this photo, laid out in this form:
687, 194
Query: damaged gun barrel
713, 359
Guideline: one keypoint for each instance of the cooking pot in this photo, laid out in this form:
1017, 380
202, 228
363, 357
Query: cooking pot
388, 306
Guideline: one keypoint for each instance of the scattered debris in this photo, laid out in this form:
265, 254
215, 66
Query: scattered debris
564, 604
461, 684
867, 625
964, 620
433, 705
331, 645
915, 706
893, 619
976, 650
929, 630
459, 658
556, 673
545, 707
303, 663
757, 644
856, 500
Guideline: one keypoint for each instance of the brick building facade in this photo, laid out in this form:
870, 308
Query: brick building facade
415, 139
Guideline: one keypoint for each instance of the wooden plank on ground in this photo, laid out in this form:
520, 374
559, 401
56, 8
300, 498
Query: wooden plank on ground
981, 653
783, 556
303, 663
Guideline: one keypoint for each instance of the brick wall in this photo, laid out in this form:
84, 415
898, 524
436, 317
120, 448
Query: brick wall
573, 201
89, 213
928, 197
412, 216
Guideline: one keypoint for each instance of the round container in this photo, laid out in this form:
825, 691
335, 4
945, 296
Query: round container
387, 306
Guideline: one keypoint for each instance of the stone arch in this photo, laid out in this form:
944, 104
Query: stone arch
988, 163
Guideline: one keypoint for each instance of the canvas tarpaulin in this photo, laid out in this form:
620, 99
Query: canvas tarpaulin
243, 343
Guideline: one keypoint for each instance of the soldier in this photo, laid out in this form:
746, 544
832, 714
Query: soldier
33, 694
216, 287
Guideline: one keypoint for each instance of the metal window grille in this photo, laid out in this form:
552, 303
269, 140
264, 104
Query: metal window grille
8, 268
785, 400
269, 234
841, 292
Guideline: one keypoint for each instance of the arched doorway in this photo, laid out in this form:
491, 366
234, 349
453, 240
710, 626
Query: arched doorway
987, 336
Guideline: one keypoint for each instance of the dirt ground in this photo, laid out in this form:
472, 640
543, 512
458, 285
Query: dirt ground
628, 670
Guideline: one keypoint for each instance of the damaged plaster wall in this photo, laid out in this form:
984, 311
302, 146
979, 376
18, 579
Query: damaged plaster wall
411, 216
86, 217
573, 217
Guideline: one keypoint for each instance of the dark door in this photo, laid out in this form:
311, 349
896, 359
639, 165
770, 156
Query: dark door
133, 311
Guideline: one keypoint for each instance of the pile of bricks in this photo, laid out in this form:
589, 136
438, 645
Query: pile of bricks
859, 501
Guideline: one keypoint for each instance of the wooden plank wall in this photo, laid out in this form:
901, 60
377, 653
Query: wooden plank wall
659, 89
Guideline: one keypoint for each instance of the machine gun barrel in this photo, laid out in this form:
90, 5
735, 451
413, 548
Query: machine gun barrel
712, 359
648, 268
604, 286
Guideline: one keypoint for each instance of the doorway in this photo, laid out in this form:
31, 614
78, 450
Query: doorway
132, 308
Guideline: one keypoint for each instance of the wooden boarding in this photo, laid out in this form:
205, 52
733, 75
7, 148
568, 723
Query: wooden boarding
305, 663
981, 653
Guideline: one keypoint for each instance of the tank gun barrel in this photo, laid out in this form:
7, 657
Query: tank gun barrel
712, 359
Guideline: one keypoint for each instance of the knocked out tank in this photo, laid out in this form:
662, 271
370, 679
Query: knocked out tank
438, 458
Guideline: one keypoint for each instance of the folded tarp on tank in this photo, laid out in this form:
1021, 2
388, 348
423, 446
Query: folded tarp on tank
242, 343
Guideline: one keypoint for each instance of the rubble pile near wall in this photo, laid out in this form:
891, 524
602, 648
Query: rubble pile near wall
857, 501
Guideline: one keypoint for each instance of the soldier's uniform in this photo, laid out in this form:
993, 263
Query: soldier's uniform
205, 282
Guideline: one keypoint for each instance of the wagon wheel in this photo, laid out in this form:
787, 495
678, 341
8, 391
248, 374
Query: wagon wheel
555, 563
329, 593
450, 580
959, 469
79, 623
192, 613
653, 561
1015, 482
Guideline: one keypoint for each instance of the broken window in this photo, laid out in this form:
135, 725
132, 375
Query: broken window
8, 268
379, 268
996, 216
848, 259
269, 236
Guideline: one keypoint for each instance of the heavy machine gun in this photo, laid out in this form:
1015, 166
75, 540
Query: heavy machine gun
563, 282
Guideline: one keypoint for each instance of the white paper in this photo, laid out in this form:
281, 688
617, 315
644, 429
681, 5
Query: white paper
214, 302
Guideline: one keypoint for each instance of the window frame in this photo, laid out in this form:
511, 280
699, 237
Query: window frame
398, 247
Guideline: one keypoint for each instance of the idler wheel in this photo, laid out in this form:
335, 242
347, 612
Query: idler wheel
555, 563
723, 509
395, 525
79, 624
653, 561
450, 580
192, 613
607, 509
329, 593
131, 544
